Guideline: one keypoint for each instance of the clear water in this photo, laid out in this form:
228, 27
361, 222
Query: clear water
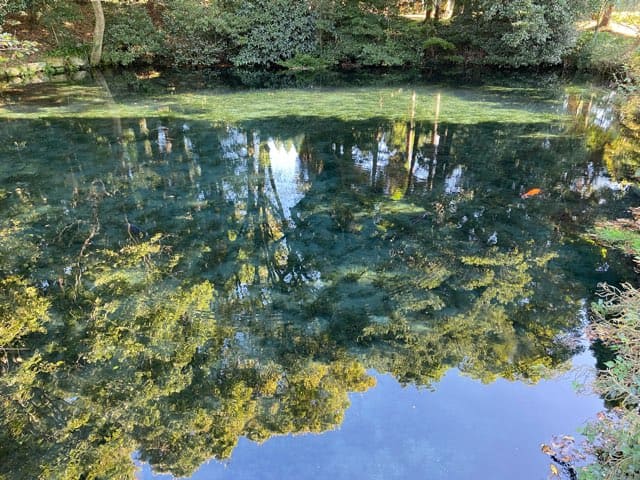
386, 280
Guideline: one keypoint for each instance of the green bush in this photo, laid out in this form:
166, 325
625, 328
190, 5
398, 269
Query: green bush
515, 34
605, 54
369, 35
16, 48
438, 49
633, 66
629, 77
273, 31
197, 33
69, 49
12, 6
56, 16
305, 61
130, 36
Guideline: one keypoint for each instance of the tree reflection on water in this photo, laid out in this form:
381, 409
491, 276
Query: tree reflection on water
170, 284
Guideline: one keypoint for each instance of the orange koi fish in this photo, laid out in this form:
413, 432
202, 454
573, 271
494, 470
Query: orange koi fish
531, 193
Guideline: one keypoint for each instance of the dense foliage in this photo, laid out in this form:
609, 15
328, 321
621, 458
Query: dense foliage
614, 438
190, 23
316, 32
517, 33
273, 31
131, 36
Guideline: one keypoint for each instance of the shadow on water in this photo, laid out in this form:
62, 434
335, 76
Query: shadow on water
196, 281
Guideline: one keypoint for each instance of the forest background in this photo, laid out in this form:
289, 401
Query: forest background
314, 34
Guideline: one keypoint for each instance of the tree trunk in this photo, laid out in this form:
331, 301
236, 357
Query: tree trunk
98, 33
428, 10
605, 16
445, 9
448, 11
458, 8
463, 7
437, 11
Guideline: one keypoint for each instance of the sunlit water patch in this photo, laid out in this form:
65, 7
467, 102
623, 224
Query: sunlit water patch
211, 275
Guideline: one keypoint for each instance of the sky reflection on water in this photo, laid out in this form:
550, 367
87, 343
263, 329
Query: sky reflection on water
462, 430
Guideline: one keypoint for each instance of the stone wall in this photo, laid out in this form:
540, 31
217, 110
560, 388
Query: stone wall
47, 66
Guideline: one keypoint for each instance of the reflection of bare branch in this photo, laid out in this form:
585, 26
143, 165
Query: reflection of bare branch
272, 182
87, 242
104, 188
95, 228
67, 227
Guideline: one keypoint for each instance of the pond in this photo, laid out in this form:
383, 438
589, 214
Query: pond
365, 278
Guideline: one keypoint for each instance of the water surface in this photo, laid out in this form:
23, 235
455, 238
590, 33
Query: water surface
383, 281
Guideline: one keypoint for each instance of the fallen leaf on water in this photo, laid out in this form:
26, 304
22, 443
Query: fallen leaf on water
546, 449
554, 470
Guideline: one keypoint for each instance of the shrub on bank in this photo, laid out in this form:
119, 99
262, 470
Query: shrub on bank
606, 54
614, 438
130, 36
527, 33
197, 34
273, 31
